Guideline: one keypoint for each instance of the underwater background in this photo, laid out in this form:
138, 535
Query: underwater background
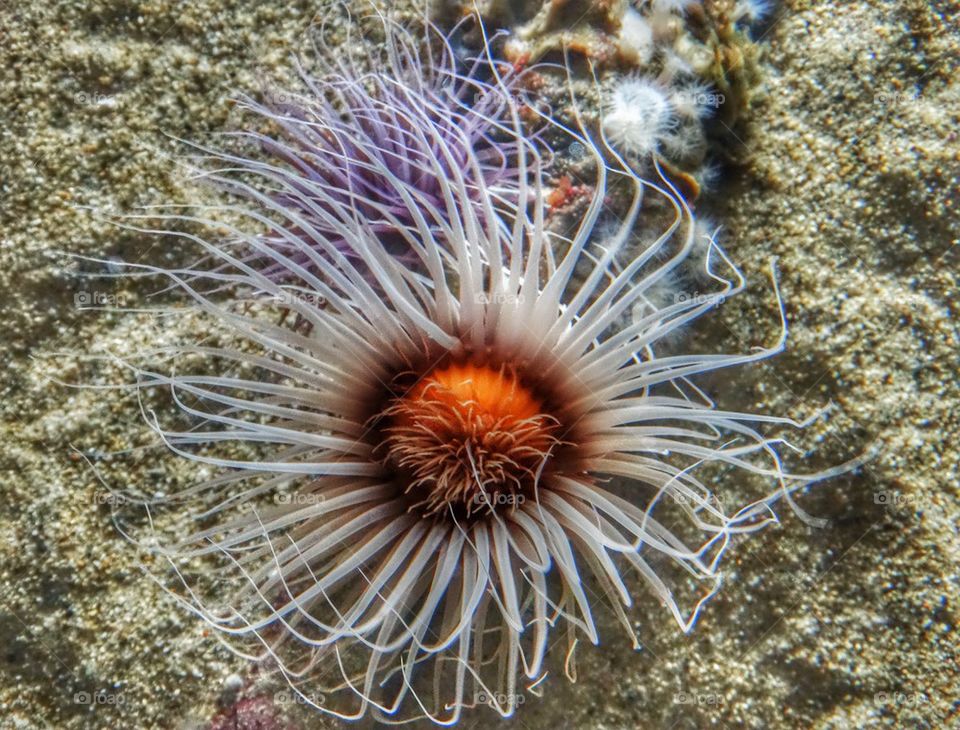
841, 163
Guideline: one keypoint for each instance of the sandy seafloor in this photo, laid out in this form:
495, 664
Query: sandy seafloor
851, 182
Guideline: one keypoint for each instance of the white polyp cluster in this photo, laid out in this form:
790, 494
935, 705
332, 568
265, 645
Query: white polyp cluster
640, 116
660, 108
645, 116
673, 6
751, 11
636, 37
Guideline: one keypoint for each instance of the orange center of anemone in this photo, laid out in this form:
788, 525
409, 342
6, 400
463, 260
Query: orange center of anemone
489, 394
470, 438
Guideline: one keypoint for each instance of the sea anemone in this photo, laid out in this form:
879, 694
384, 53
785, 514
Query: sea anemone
751, 11
415, 495
358, 122
640, 117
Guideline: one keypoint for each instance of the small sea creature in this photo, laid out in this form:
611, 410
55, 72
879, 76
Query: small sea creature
751, 11
640, 116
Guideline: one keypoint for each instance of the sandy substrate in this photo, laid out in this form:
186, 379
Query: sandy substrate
851, 183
